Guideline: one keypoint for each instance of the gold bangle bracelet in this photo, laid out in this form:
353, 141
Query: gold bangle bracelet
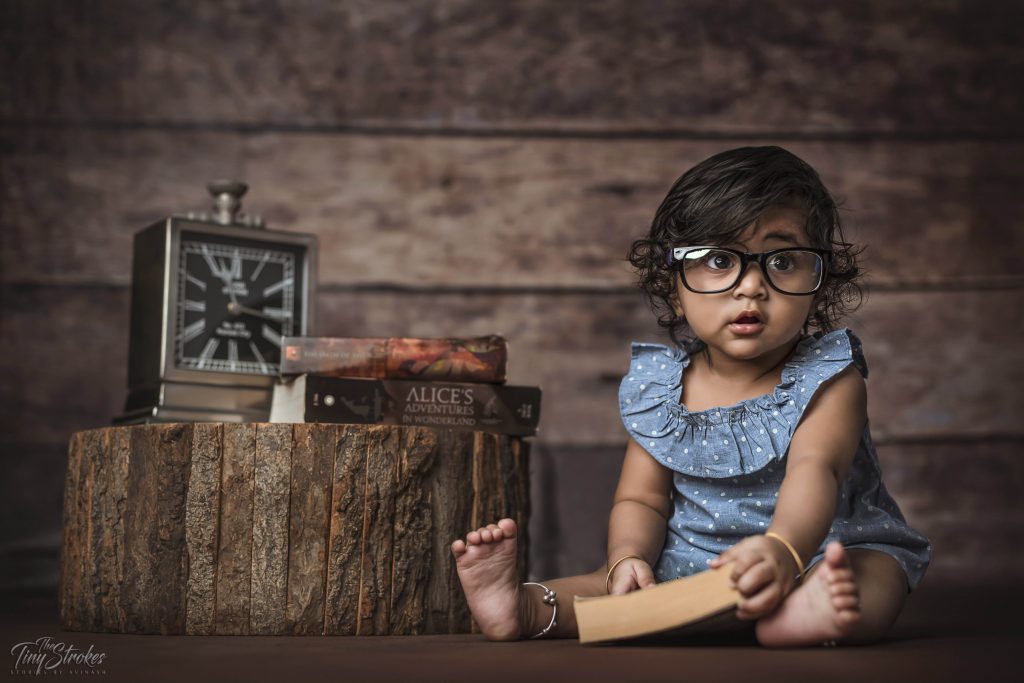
608, 579
791, 549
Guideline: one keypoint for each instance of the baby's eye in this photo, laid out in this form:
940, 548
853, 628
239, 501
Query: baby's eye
719, 260
781, 262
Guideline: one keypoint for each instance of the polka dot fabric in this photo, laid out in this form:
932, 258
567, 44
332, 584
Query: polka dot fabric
728, 463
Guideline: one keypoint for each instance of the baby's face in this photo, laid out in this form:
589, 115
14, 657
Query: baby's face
783, 315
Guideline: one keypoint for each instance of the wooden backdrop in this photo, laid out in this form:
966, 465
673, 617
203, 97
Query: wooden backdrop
477, 166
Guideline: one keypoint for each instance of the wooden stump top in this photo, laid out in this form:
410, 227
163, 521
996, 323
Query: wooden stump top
279, 528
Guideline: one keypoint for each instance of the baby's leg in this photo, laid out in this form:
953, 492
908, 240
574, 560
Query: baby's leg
883, 592
503, 608
851, 596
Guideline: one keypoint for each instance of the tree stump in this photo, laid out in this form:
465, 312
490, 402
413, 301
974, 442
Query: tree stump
282, 529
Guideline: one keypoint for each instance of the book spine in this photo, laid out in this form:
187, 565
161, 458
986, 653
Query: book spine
452, 359
446, 405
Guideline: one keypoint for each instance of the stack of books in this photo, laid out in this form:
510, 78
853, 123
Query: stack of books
449, 383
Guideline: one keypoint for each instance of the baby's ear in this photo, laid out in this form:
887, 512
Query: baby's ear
676, 305
819, 296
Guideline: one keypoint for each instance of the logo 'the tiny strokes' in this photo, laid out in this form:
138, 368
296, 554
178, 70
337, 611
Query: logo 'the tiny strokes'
46, 656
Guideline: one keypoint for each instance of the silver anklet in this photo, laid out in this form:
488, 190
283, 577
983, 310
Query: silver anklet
549, 599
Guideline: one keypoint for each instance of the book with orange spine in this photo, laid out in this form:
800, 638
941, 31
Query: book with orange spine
451, 359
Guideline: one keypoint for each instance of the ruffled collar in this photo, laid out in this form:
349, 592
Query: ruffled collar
812, 347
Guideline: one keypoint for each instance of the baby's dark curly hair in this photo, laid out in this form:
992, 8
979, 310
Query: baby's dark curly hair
716, 201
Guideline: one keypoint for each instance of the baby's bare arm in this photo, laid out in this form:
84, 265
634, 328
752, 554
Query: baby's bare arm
819, 457
642, 507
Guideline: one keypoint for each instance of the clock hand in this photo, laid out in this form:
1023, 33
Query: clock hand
236, 308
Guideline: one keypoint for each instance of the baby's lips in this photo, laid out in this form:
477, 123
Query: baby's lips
749, 316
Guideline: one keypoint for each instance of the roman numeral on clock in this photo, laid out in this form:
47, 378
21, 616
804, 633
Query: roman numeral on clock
259, 266
277, 287
215, 269
208, 350
272, 335
196, 281
259, 358
193, 330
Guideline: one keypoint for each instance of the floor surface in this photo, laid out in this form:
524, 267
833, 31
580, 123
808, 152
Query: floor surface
945, 634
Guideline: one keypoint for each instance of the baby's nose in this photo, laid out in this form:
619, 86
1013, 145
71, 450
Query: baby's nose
752, 279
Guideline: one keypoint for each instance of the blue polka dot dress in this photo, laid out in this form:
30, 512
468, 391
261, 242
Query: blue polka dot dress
728, 462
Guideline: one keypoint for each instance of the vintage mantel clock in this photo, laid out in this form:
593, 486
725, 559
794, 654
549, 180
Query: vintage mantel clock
212, 296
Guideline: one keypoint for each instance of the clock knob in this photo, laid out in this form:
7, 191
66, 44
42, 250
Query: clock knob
227, 200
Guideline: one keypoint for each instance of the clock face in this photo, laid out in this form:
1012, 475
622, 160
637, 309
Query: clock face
236, 300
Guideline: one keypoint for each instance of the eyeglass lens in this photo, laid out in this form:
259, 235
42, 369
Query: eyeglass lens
795, 271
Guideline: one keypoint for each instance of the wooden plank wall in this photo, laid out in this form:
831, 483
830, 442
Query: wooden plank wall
482, 166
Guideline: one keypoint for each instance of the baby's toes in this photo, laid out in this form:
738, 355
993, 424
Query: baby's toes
508, 527
842, 588
843, 602
473, 538
847, 617
486, 535
459, 547
840, 575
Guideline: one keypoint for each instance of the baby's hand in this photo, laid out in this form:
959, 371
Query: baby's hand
764, 573
630, 575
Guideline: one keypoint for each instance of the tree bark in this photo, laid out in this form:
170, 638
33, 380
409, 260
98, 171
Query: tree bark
278, 529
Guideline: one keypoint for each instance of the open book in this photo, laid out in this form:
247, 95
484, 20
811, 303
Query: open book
699, 604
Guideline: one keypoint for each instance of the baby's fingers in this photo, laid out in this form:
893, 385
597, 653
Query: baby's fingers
622, 583
743, 562
620, 587
724, 558
754, 579
645, 576
760, 604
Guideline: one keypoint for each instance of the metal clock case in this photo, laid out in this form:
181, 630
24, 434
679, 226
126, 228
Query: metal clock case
212, 296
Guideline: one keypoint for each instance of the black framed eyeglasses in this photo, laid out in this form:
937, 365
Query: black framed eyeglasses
710, 269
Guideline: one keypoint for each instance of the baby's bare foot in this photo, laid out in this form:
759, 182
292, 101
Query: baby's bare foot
827, 607
486, 563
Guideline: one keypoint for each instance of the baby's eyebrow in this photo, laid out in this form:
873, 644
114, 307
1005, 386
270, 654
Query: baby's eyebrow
787, 236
